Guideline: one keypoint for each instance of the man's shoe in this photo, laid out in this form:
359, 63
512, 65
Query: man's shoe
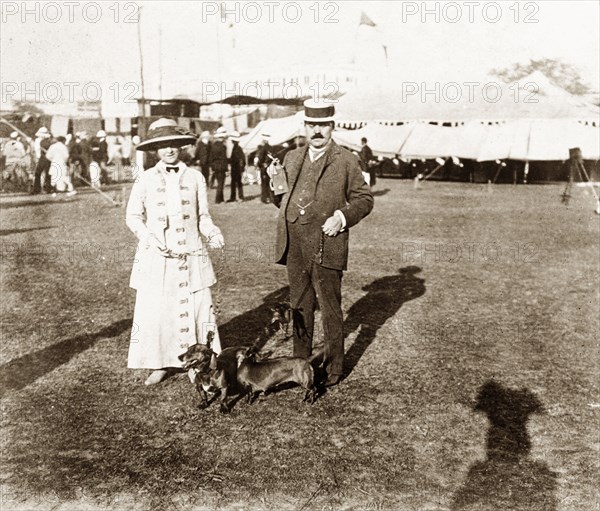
332, 380
156, 377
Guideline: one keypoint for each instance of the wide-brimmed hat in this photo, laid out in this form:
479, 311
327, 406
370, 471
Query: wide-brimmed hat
205, 134
42, 131
234, 136
165, 130
221, 132
101, 134
318, 111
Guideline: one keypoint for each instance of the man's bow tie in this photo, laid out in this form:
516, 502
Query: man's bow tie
173, 169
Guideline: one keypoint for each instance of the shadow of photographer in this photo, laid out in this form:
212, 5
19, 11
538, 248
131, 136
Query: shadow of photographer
508, 478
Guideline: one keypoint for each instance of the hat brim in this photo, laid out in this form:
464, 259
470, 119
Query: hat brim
306, 118
176, 141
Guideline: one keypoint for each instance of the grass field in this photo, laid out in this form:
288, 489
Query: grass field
472, 352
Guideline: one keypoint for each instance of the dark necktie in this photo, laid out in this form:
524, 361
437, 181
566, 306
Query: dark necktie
173, 169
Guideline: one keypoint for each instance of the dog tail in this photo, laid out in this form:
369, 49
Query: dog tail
316, 359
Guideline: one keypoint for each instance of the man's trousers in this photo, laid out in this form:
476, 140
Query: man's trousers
311, 283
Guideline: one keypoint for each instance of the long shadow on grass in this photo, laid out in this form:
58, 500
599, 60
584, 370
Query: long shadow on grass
22, 371
508, 479
379, 193
6, 232
11, 205
249, 328
384, 298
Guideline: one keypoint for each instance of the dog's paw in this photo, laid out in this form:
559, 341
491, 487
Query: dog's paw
224, 408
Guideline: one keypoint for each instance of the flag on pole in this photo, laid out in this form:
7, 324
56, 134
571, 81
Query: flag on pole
365, 20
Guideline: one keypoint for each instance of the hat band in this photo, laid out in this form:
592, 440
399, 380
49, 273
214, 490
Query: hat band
165, 131
319, 113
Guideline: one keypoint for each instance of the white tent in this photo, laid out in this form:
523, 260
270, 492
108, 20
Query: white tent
533, 97
280, 131
534, 140
521, 139
383, 140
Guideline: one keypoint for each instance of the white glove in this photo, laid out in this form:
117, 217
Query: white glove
216, 241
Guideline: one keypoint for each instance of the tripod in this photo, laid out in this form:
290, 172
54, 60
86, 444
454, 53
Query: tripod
576, 165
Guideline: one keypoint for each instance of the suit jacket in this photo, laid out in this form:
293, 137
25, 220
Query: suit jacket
202, 153
218, 156
238, 159
340, 185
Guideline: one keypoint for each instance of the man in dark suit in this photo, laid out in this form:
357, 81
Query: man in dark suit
100, 155
262, 162
325, 196
237, 163
219, 161
366, 157
202, 155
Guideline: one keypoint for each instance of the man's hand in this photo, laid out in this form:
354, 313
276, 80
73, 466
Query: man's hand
332, 226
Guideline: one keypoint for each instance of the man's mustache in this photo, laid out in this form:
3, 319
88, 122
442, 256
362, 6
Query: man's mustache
317, 135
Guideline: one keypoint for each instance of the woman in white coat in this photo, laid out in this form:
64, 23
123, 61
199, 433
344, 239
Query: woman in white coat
172, 272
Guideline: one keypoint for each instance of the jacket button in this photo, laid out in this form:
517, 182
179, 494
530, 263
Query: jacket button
181, 242
186, 217
160, 203
185, 300
185, 202
183, 284
183, 330
179, 229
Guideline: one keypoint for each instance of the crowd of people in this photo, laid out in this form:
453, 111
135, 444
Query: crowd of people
50, 164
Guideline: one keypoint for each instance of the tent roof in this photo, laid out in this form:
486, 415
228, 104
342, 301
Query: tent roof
281, 130
534, 98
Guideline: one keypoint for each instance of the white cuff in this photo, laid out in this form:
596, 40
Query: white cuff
342, 218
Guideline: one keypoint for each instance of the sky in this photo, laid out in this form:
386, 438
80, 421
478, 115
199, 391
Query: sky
82, 49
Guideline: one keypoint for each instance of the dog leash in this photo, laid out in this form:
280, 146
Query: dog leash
182, 256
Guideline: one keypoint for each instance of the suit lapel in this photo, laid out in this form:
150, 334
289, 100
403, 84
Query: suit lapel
295, 167
328, 159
